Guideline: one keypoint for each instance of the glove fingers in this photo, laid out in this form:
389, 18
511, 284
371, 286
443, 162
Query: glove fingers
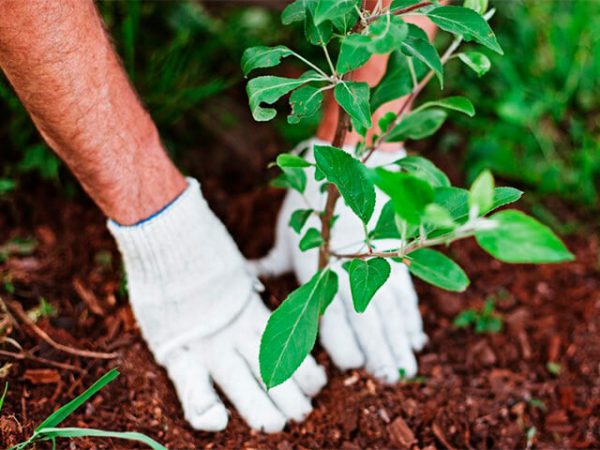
393, 323
236, 380
371, 338
288, 397
338, 339
407, 300
310, 377
202, 407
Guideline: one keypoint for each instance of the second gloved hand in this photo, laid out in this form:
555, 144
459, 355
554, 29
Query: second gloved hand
384, 338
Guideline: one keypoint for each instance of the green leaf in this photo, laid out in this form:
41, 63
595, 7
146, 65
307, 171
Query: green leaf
66, 410
268, 89
386, 121
261, 57
387, 33
354, 98
316, 34
7, 185
423, 168
366, 277
396, 82
386, 228
305, 102
294, 12
402, 4
438, 217
460, 104
291, 331
354, 52
417, 45
518, 238
291, 178
437, 269
311, 239
291, 160
466, 318
350, 177
476, 61
504, 195
455, 201
51, 433
481, 194
409, 194
298, 219
467, 23
418, 125
333, 9
479, 6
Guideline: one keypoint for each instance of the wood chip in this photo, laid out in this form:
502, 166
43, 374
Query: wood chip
41, 376
400, 434
88, 297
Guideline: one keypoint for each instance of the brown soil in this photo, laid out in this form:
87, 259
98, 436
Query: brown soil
474, 391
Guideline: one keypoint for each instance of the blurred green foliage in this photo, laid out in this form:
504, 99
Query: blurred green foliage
538, 109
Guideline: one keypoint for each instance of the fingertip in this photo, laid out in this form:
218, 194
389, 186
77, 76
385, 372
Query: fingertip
215, 418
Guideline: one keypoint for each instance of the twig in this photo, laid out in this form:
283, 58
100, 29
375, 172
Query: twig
18, 310
399, 12
49, 362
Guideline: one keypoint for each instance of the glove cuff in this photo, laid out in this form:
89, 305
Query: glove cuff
186, 277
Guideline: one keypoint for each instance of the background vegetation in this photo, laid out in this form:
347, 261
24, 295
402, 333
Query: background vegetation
538, 110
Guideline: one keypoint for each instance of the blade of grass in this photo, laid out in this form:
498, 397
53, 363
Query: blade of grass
3, 395
53, 433
66, 410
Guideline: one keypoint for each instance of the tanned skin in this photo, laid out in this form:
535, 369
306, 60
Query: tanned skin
60, 62
58, 58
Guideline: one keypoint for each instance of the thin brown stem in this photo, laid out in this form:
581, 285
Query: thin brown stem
399, 12
20, 313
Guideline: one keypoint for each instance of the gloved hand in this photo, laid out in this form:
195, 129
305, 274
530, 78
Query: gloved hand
384, 337
198, 311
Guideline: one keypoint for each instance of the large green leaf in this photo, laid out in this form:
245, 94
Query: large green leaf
305, 102
366, 277
354, 52
423, 168
409, 194
418, 125
476, 61
456, 200
387, 33
460, 104
261, 57
417, 45
518, 238
353, 96
268, 89
291, 331
333, 9
396, 82
437, 269
350, 177
481, 194
467, 23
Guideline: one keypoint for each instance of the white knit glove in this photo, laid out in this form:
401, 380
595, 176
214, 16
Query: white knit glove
198, 311
383, 338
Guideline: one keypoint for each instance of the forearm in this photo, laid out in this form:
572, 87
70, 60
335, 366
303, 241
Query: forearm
61, 64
